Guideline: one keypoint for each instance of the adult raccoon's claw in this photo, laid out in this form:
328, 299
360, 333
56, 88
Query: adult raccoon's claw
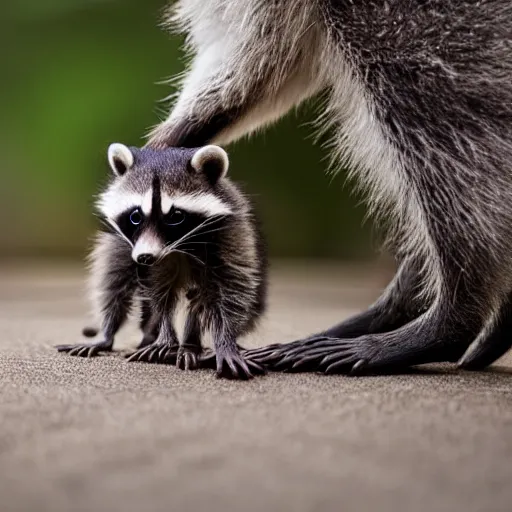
316, 354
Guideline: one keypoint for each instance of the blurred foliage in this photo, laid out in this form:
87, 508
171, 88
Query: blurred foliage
79, 74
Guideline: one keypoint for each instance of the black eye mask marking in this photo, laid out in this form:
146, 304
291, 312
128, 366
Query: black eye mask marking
175, 217
130, 223
187, 228
191, 231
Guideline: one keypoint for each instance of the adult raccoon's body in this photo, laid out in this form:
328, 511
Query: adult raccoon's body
420, 97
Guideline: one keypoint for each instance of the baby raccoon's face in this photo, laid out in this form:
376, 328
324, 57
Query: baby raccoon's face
165, 201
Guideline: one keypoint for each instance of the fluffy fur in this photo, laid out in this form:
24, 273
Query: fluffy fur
419, 94
182, 237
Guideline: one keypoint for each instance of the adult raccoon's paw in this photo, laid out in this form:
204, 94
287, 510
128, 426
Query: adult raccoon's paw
318, 354
330, 356
271, 355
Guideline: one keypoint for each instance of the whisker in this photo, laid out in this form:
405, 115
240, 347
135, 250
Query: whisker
199, 243
119, 232
170, 250
186, 239
199, 260
206, 222
190, 235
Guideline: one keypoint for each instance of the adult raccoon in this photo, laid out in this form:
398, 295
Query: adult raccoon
420, 99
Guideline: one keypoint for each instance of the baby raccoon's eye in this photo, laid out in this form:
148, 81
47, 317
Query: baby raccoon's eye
136, 217
174, 217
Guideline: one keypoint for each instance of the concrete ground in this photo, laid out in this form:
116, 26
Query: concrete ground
107, 435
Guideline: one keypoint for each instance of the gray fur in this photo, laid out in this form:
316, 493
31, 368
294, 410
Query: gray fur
420, 97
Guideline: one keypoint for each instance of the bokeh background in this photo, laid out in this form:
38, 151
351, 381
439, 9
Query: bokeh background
77, 75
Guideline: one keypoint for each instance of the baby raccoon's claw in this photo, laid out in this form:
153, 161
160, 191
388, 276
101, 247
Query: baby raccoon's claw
231, 365
86, 349
147, 340
187, 359
156, 353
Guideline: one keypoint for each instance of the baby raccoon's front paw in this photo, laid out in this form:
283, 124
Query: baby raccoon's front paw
86, 349
188, 358
158, 353
232, 365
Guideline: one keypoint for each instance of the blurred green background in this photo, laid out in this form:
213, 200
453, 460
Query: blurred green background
77, 75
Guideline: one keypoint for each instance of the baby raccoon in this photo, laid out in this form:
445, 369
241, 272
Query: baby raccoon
179, 231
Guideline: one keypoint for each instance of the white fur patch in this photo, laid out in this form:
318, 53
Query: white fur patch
167, 202
293, 92
147, 201
206, 204
148, 243
112, 202
180, 315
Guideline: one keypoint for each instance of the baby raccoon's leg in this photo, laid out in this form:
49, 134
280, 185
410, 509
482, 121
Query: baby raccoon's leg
164, 348
238, 82
227, 325
113, 284
230, 362
149, 324
161, 351
190, 349
493, 342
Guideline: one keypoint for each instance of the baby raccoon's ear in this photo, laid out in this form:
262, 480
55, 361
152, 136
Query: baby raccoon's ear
211, 160
120, 158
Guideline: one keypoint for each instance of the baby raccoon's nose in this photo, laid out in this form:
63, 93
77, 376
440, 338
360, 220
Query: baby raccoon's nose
147, 248
146, 259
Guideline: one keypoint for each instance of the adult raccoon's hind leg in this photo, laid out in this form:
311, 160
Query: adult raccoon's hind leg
466, 278
492, 343
442, 333
466, 246
399, 304
249, 68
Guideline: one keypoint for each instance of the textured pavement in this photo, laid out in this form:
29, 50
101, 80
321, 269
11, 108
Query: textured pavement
107, 435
